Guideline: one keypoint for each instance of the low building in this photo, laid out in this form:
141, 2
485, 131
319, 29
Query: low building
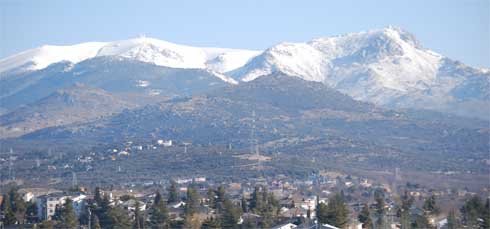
165, 143
130, 205
46, 204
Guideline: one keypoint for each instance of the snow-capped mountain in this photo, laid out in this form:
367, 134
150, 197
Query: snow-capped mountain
149, 50
42, 57
387, 67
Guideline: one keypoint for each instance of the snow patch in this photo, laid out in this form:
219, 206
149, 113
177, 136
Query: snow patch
142, 83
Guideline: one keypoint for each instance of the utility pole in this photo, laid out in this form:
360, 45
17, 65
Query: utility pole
89, 218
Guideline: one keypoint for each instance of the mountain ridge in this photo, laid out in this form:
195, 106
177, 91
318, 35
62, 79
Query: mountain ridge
388, 67
79, 103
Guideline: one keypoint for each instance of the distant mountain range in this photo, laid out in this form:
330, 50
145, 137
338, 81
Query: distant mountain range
387, 67
377, 70
290, 114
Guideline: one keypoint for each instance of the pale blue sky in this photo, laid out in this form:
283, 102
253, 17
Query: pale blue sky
459, 29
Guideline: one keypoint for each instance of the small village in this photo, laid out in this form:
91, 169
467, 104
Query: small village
325, 199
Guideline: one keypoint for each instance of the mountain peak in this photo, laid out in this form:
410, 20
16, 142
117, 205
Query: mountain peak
396, 33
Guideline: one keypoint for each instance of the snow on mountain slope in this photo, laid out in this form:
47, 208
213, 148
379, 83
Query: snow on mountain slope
172, 55
384, 52
143, 49
295, 59
157, 52
39, 58
385, 66
229, 59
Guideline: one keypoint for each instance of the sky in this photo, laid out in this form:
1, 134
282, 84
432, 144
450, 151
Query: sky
459, 29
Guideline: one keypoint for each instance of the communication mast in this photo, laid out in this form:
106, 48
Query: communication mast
11, 165
185, 146
74, 181
254, 147
398, 176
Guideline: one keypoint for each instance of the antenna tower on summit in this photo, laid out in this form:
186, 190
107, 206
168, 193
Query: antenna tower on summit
254, 146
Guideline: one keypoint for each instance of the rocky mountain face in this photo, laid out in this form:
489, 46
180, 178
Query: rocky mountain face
122, 76
358, 76
79, 103
387, 67
289, 112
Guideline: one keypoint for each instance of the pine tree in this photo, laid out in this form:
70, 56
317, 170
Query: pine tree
321, 213
18, 205
67, 216
267, 221
138, 220
192, 201
380, 208
95, 222
220, 193
211, 198
31, 212
421, 221
97, 196
257, 201
244, 204
220, 198
471, 211
405, 219
334, 213
452, 222
102, 212
430, 205
486, 214
231, 214
159, 213
337, 211
158, 197
9, 215
118, 218
272, 204
365, 217
173, 195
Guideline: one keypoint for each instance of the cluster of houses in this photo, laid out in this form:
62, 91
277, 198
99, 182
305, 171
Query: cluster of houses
130, 146
297, 198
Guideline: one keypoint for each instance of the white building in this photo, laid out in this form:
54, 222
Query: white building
200, 179
165, 143
46, 205
183, 180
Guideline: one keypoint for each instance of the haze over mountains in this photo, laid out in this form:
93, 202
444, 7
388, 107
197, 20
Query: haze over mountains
386, 68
